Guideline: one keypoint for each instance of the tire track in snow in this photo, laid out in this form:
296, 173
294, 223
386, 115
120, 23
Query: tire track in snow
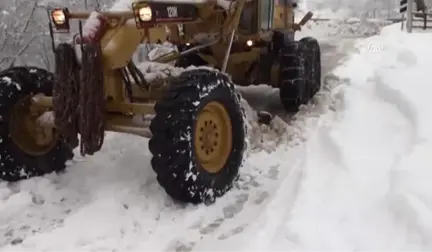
330, 152
295, 134
407, 207
260, 221
294, 131
231, 235
402, 103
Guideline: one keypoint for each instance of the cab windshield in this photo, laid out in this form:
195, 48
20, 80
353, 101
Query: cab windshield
249, 17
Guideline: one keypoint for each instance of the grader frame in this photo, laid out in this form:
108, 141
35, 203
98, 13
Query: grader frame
197, 116
126, 32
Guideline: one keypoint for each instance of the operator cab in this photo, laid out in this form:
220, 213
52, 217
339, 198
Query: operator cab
257, 16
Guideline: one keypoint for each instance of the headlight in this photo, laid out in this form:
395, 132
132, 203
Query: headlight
58, 17
145, 13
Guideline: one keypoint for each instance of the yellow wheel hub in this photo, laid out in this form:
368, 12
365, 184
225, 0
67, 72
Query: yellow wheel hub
26, 133
213, 137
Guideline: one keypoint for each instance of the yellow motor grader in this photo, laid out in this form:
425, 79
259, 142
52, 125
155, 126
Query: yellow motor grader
194, 119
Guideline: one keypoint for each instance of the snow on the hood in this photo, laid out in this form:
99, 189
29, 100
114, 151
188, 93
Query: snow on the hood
154, 71
158, 50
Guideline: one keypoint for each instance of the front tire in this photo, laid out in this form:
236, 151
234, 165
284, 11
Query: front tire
300, 73
198, 137
17, 86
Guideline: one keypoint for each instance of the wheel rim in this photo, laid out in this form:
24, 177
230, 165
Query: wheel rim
26, 133
213, 137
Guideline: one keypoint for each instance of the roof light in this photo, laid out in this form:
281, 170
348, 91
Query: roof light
145, 13
58, 17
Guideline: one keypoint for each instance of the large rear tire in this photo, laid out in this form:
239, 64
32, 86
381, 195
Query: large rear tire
198, 137
20, 156
300, 73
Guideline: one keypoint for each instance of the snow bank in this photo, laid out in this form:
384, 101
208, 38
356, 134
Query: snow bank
366, 182
364, 175
341, 28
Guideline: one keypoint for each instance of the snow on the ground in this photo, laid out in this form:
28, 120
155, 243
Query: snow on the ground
365, 172
350, 171
111, 201
366, 184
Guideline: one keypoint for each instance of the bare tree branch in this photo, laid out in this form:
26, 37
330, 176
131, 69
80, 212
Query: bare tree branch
15, 57
24, 29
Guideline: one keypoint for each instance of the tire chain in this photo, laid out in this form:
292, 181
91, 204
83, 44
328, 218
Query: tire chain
91, 107
65, 93
78, 97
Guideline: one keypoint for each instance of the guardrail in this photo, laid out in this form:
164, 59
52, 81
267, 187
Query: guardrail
424, 17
